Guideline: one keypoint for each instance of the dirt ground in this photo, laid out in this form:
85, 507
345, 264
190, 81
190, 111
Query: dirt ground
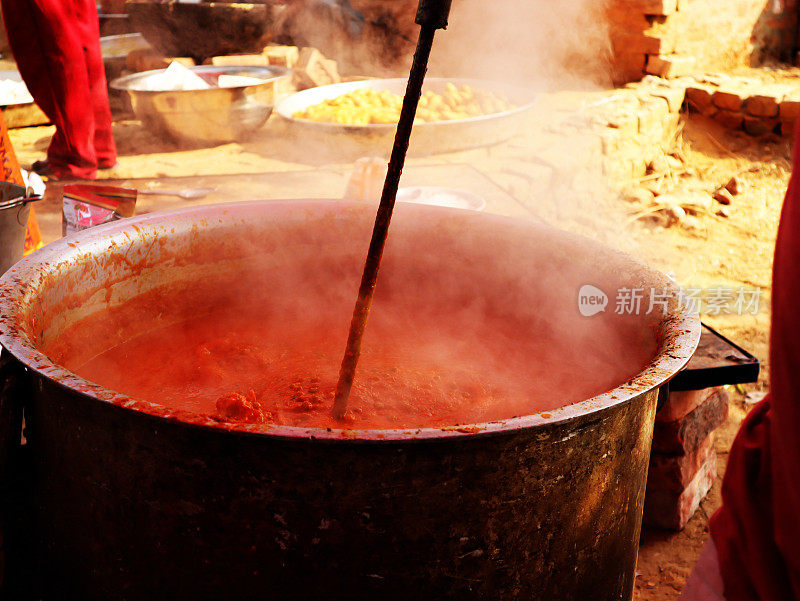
735, 251
710, 250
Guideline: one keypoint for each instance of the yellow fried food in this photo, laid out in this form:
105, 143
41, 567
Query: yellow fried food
366, 106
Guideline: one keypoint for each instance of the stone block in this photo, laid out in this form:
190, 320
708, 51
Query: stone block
729, 119
698, 97
684, 435
758, 126
729, 100
643, 42
789, 108
628, 66
674, 473
761, 106
624, 20
651, 7
674, 510
283, 56
240, 60
313, 69
669, 66
24, 115
148, 59
682, 402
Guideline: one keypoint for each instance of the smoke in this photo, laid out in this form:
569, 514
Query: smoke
540, 44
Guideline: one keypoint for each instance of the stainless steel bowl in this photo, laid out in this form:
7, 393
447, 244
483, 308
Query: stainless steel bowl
205, 117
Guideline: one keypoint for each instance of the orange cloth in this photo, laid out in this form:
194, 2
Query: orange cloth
11, 173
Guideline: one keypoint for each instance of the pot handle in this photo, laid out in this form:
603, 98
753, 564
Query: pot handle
663, 397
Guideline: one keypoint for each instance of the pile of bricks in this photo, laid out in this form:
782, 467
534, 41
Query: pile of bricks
642, 40
636, 124
310, 67
740, 103
683, 462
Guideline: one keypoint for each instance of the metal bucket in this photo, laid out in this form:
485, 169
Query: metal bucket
137, 502
14, 211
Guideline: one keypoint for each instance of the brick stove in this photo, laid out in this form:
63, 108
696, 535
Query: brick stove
683, 462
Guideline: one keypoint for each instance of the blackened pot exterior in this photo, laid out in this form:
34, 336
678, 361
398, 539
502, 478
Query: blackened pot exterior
135, 507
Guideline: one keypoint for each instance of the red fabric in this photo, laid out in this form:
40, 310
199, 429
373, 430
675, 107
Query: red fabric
757, 529
56, 44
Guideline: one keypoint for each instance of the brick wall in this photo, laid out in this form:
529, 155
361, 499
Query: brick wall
675, 37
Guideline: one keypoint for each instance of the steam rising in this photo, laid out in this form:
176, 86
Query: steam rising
474, 320
472, 299
539, 44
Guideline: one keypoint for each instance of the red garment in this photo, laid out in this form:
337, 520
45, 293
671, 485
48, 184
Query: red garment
757, 529
56, 44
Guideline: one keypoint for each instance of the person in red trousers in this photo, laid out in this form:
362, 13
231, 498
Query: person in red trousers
56, 44
754, 550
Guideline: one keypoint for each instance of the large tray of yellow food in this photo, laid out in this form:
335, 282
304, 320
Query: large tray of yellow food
452, 113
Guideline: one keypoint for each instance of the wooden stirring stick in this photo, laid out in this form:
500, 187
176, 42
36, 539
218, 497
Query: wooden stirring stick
431, 15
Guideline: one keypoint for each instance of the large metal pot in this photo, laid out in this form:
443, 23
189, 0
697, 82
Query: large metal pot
137, 502
201, 29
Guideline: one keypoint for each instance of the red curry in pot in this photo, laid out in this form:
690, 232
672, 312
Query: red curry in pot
265, 367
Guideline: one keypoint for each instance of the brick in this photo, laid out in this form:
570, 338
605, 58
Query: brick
138, 60
659, 7
643, 42
684, 435
787, 126
758, 126
682, 402
728, 100
283, 56
698, 97
789, 108
240, 60
673, 511
761, 106
623, 20
673, 473
628, 66
669, 66
148, 59
729, 119
313, 69
651, 7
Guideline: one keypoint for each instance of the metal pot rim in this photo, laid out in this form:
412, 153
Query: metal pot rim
680, 334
